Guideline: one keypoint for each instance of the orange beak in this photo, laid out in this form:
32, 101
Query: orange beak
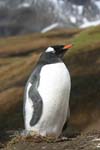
67, 46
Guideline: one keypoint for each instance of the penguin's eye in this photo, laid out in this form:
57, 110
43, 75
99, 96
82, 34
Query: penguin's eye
50, 49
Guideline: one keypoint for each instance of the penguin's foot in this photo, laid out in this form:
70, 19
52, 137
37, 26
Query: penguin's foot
37, 138
26, 133
32, 136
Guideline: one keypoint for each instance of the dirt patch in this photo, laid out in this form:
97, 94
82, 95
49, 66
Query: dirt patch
89, 141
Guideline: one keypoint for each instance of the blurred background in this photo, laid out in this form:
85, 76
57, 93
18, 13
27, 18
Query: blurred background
27, 27
26, 16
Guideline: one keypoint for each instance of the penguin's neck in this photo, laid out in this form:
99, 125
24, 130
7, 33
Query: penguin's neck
49, 58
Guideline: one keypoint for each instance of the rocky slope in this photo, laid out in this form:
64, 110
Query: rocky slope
26, 16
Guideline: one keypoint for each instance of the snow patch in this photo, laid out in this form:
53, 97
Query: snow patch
48, 28
72, 19
26, 5
91, 23
97, 3
61, 2
80, 9
74, 6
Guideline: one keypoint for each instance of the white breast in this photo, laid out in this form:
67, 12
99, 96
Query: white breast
54, 88
54, 80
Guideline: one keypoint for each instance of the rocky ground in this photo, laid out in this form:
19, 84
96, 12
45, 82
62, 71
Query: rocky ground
89, 141
18, 56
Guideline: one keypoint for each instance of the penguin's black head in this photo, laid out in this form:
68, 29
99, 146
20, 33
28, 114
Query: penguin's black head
58, 50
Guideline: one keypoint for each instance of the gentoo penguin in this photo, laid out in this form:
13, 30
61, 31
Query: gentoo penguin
46, 98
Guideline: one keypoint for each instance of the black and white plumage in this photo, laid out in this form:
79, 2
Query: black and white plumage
46, 98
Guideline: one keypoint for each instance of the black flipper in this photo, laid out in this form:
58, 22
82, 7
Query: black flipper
34, 96
37, 105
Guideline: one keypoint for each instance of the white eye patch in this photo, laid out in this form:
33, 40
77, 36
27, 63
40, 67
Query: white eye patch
50, 49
